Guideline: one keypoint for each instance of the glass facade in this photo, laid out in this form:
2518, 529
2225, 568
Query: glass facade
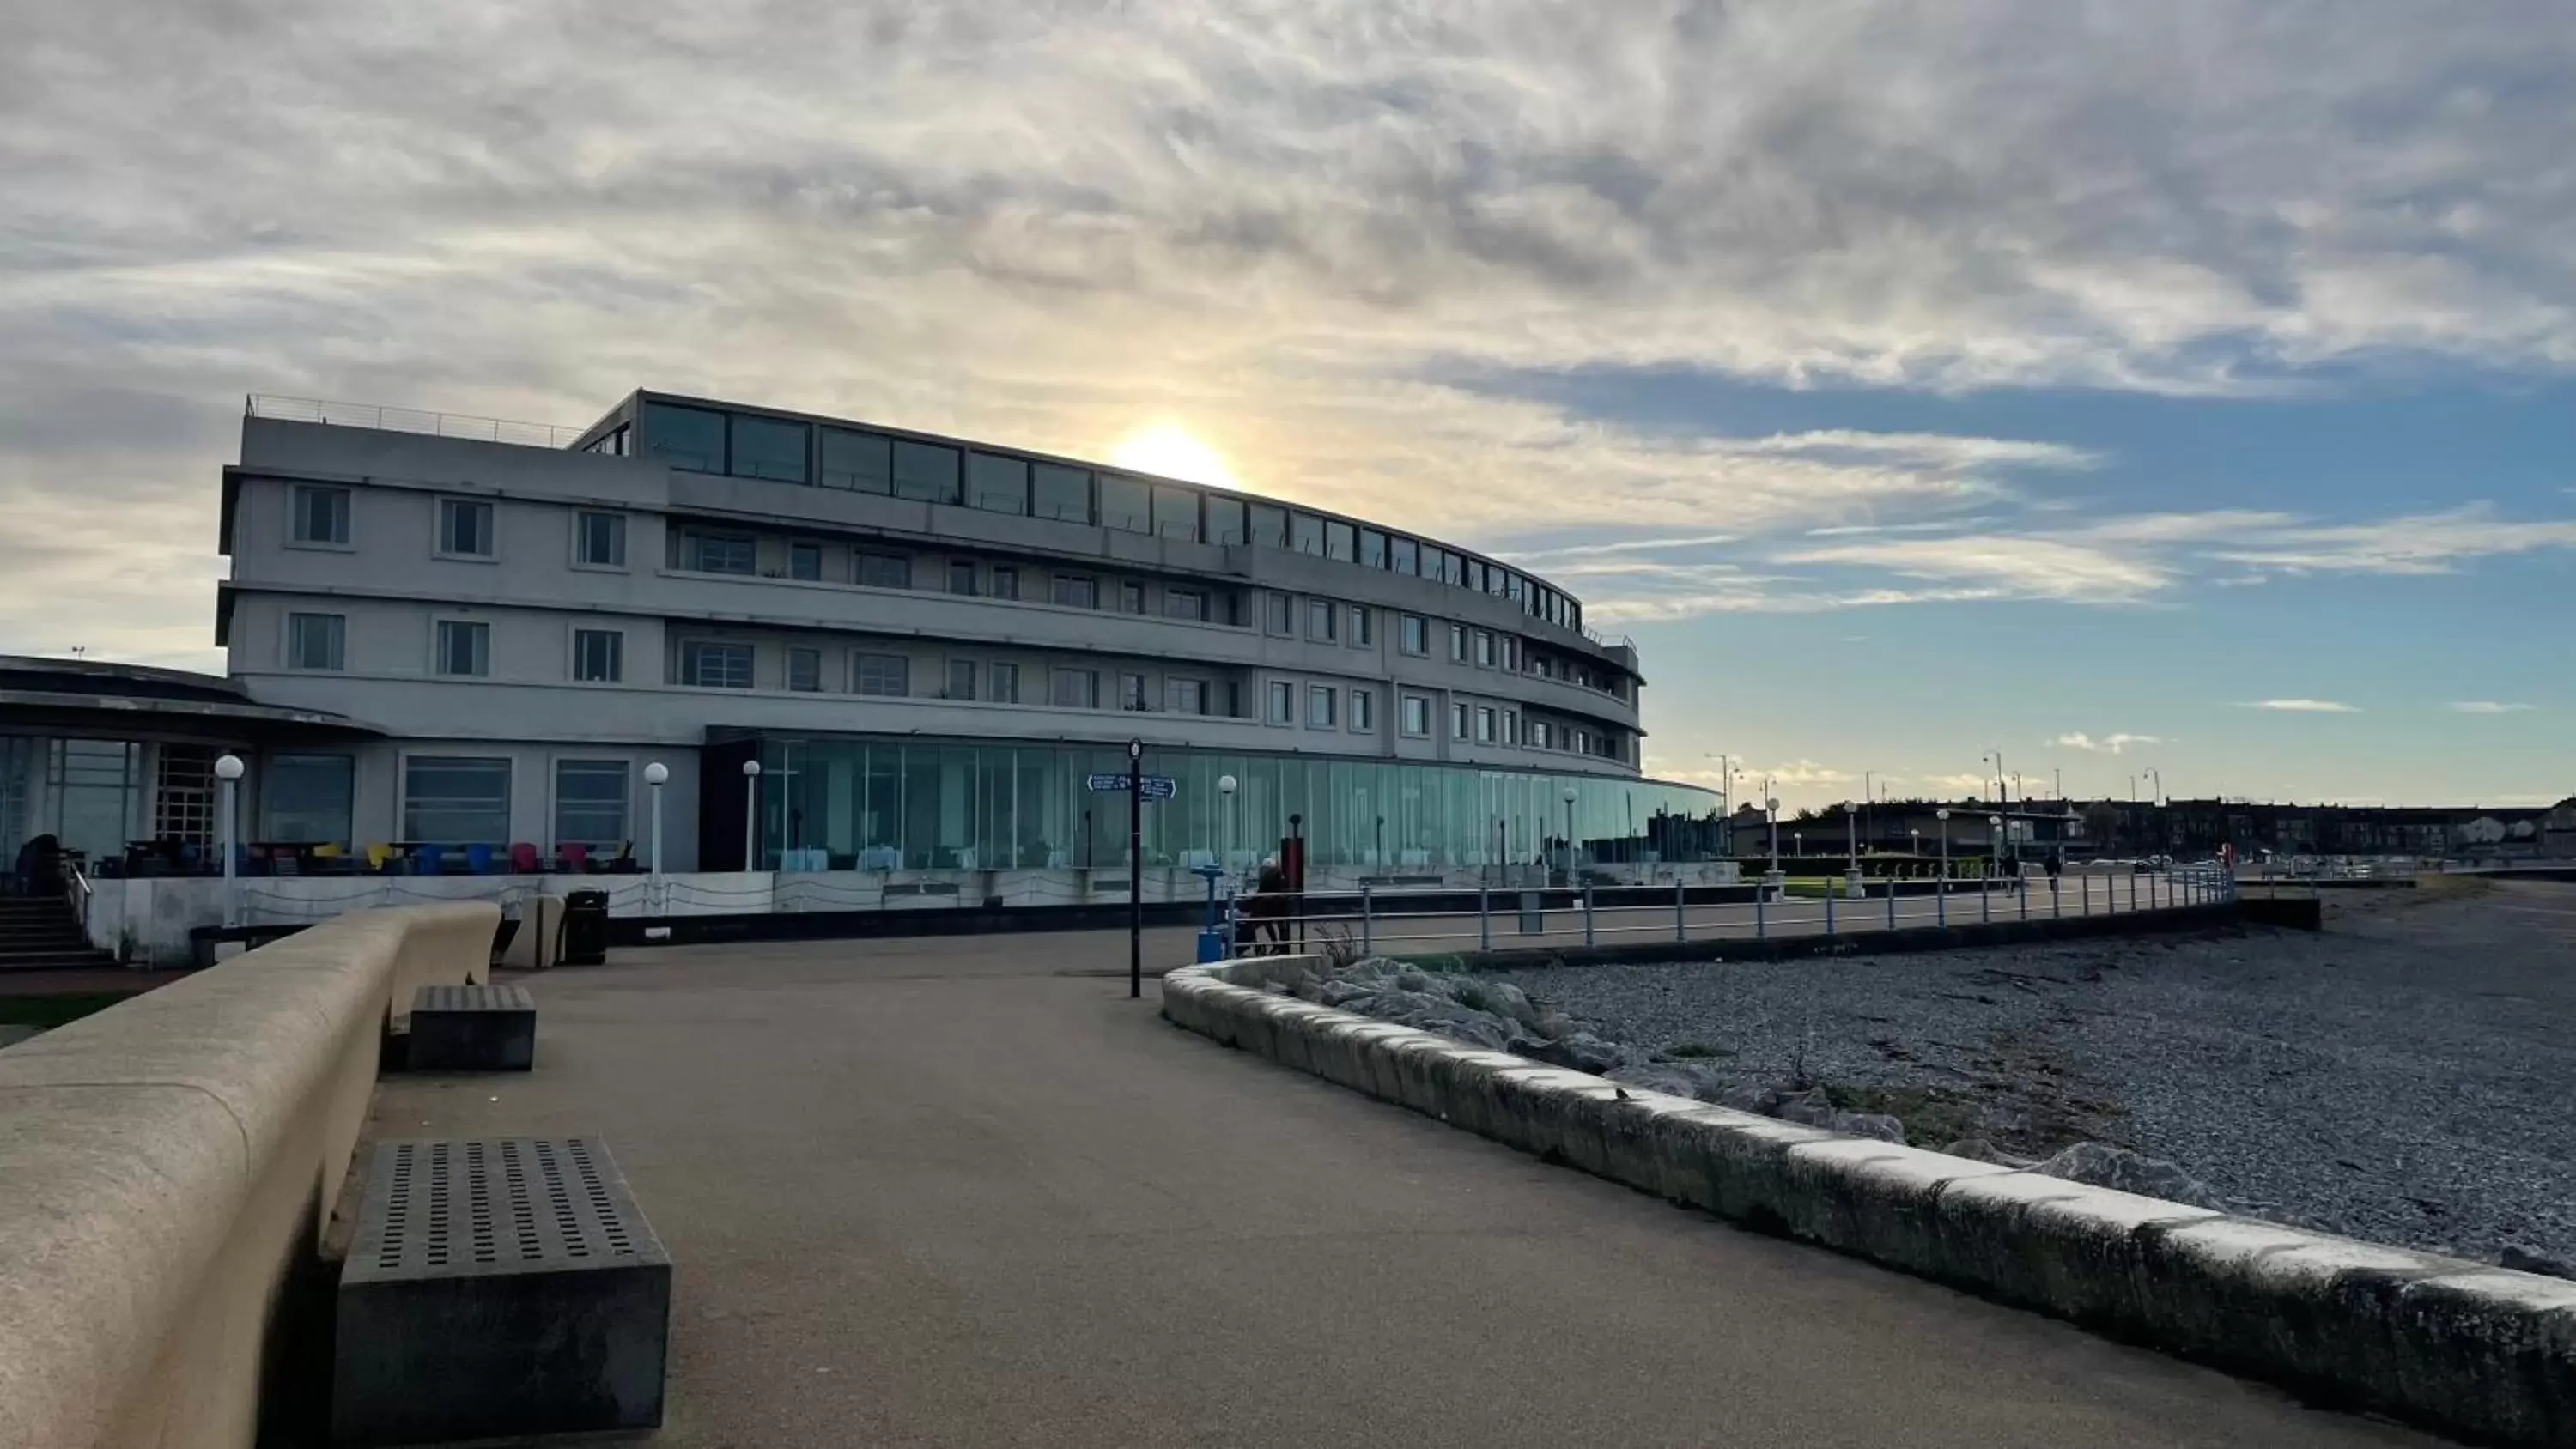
876, 803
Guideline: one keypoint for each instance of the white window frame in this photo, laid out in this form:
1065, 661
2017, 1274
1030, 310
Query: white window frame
348, 516
1401, 623
1279, 704
858, 664
1198, 601
1457, 643
438, 651
1458, 721
1279, 615
1404, 709
811, 652
1485, 649
339, 655
1327, 613
618, 675
554, 800
1090, 688
580, 519
1055, 595
1326, 700
999, 670
1174, 682
463, 751
951, 689
859, 569
1362, 713
1363, 627
688, 674
1131, 691
1487, 725
491, 513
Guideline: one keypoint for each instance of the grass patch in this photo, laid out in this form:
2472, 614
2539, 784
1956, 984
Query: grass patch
53, 1011
1697, 1049
1932, 1118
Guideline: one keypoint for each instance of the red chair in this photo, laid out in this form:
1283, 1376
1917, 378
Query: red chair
576, 857
523, 859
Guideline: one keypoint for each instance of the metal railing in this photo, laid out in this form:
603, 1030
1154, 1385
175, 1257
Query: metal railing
1424, 920
408, 420
77, 892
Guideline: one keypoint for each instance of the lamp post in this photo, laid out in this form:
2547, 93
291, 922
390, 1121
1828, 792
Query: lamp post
228, 769
751, 815
1851, 831
1567, 795
1772, 879
1994, 858
656, 775
1942, 896
1226, 785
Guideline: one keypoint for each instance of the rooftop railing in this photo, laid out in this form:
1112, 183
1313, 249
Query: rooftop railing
408, 420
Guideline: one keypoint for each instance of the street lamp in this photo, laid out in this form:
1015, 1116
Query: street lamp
656, 775
228, 768
1567, 795
1771, 812
750, 815
1943, 815
1226, 785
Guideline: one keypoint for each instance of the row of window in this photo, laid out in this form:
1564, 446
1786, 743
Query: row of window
744, 445
447, 799
466, 530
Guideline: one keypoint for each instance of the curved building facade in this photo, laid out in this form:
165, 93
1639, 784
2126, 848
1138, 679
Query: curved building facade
928, 645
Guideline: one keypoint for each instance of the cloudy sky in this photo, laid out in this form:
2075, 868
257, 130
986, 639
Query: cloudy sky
2187, 386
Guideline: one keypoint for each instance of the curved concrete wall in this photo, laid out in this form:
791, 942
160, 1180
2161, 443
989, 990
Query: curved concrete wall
167, 1168
2463, 1347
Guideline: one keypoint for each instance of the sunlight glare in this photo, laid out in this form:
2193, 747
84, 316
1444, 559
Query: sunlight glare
1165, 450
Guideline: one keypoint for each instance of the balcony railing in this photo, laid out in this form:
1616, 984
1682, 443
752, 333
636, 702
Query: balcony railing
408, 420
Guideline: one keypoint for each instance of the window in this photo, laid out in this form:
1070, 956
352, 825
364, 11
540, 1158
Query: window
1074, 591
590, 802
883, 570
1306, 534
1006, 582
316, 641
598, 656
1511, 727
861, 462
880, 674
998, 485
1484, 725
457, 799
1457, 643
710, 665
1131, 597
1320, 614
1131, 691
464, 528
1417, 715
805, 561
1185, 604
1476, 575
308, 797
720, 553
805, 671
319, 515
1512, 652
1515, 588
961, 679
1269, 525
1061, 493
1363, 709
1276, 614
1226, 521
961, 576
1484, 649
464, 649
1372, 549
768, 448
1176, 512
925, 471
1125, 504
1404, 556
599, 540
1413, 634
1535, 733
1453, 568
1073, 689
1185, 696
1006, 684
1283, 703
1320, 702
1363, 626
690, 438
1337, 541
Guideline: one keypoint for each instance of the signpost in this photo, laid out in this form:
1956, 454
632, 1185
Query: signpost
1140, 787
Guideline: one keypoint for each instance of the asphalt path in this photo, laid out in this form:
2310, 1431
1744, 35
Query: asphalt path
962, 1191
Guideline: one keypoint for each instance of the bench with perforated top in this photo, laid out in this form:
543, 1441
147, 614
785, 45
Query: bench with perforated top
498, 1287
473, 1029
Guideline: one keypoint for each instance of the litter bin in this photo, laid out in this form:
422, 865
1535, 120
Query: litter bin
585, 929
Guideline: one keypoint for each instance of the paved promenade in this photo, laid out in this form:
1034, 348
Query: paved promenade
963, 1192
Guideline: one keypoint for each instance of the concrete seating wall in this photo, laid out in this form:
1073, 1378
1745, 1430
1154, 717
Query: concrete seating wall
168, 1167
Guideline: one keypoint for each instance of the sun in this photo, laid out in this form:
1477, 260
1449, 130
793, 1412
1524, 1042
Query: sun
1165, 450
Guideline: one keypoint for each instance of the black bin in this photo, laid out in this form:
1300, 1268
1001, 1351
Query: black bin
584, 939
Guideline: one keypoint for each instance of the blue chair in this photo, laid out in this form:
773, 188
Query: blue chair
478, 860
428, 859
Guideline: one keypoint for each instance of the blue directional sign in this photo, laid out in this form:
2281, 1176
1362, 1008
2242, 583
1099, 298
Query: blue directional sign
1151, 787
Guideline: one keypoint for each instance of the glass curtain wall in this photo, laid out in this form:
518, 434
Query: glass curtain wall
887, 804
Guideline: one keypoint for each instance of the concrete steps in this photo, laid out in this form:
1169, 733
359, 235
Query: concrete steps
42, 934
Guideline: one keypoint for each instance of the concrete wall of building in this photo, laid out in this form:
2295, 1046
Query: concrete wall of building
172, 1162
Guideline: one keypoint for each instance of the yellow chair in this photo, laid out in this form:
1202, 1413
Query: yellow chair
377, 855
327, 850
